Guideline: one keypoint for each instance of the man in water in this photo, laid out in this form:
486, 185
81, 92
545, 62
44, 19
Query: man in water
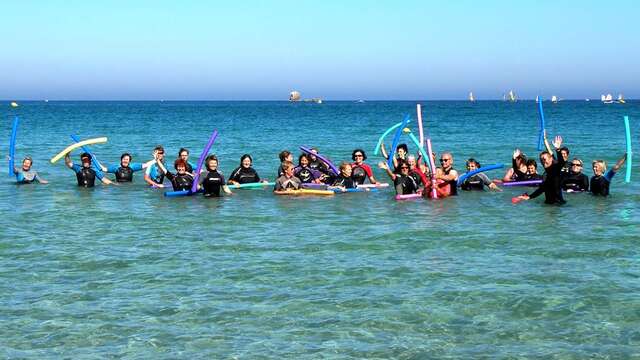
552, 180
124, 171
447, 173
287, 181
85, 174
25, 175
153, 175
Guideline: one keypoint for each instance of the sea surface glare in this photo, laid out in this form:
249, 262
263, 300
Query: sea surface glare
123, 272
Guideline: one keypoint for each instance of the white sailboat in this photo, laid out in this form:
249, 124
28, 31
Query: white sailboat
471, 98
603, 98
537, 99
512, 96
608, 99
621, 99
554, 99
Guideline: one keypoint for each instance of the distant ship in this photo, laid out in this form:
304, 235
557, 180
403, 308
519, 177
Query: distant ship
471, 98
294, 96
554, 99
621, 99
537, 99
314, 100
607, 99
510, 96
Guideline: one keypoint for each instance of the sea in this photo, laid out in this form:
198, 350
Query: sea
123, 272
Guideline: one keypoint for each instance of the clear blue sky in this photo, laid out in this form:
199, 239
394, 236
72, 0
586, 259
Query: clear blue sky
332, 49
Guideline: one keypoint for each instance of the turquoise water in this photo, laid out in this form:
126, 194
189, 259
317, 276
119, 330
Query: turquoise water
124, 272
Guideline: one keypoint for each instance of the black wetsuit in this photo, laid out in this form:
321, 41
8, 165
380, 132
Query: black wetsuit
212, 182
348, 183
551, 184
405, 184
475, 182
517, 175
320, 166
306, 174
600, 184
452, 183
124, 174
575, 182
244, 175
180, 182
86, 177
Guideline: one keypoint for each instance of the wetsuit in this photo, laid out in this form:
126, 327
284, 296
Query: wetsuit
535, 176
124, 173
306, 174
475, 182
155, 174
25, 177
346, 182
244, 175
600, 184
452, 183
405, 184
320, 166
180, 182
360, 173
575, 182
565, 167
551, 184
86, 176
517, 175
189, 167
280, 171
211, 183
285, 183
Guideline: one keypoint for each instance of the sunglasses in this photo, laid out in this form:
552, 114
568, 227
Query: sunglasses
576, 164
404, 168
443, 160
358, 155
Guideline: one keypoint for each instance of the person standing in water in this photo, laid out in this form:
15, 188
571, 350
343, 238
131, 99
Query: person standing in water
25, 175
245, 173
153, 175
124, 171
288, 181
575, 180
359, 170
551, 185
85, 174
446, 172
600, 181
213, 180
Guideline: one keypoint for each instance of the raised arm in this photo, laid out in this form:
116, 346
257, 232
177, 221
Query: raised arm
382, 165
619, 163
68, 162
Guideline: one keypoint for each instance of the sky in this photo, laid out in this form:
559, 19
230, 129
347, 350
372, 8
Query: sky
335, 50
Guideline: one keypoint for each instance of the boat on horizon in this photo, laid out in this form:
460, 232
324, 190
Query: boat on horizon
608, 99
511, 96
621, 99
294, 96
471, 98
554, 99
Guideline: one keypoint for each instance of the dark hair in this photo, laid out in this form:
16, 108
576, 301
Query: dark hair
473, 161
532, 162
179, 162
522, 158
402, 162
126, 154
209, 158
85, 155
158, 148
303, 156
402, 146
181, 150
353, 154
565, 149
284, 155
244, 157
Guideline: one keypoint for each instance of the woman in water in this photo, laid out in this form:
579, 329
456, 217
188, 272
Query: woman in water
244, 174
182, 180
401, 153
345, 178
124, 171
184, 155
600, 181
359, 170
575, 180
25, 175
285, 155
477, 181
551, 185
402, 181
213, 180
305, 173
518, 169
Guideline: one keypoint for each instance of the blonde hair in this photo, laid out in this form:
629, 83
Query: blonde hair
287, 165
344, 165
601, 163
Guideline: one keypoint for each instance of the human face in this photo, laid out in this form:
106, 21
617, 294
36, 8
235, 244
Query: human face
288, 171
446, 161
289, 158
125, 161
546, 160
304, 161
471, 166
576, 166
181, 169
212, 164
246, 163
401, 153
26, 164
159, 154
86, 162
346, 172
358, 157
597, 169
184, 155
404, 169
412, 162
564, 154
531, 169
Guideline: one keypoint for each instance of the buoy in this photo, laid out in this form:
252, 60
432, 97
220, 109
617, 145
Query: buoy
406, 130
14, 104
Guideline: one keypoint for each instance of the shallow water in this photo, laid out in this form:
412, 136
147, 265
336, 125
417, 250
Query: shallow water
124, 272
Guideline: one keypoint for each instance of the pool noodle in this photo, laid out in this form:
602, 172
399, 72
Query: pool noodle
251, 185
12, 146
378, 185
307, 192
542, 125
325, 160
353, 190
72, 147
396, 140
94, 160
420, 130
522, 183
203, 155
464, 176
179, 193
434, 192
421, 148
627, 177
408, 196
381, 139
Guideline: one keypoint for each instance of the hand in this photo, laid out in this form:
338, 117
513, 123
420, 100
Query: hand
516, 153
382, 165
557, 142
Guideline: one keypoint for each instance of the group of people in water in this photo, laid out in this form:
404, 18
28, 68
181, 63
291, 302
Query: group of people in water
410, 174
